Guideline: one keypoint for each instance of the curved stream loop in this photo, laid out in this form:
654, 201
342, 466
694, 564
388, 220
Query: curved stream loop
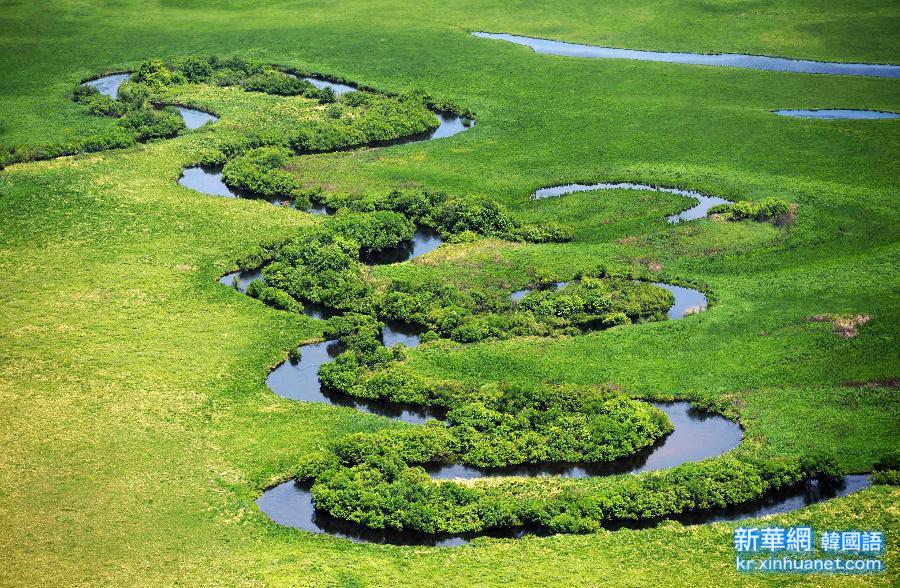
207, 179
192, 117
743, 61
109, 85
698, 435
291, 504
704, 202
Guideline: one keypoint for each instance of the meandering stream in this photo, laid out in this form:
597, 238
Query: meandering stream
717, 59
291, 504
838, 114
698, 435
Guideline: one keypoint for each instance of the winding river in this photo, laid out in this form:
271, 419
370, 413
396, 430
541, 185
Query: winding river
838, 114
716, 59
291, 504
207, 179
698, 435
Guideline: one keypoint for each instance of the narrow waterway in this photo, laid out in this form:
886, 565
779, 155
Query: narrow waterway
738, 60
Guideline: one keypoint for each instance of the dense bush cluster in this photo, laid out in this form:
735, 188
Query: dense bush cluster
770, 209
377, 119
887, 470
149, 123
504, 425
98, 103
250, 75
323, 266
368, 479
115, 138
589, 302
259, 172
137, 121
456, 216
273, 297
375, 479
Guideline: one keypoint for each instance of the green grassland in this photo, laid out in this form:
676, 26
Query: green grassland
138, 430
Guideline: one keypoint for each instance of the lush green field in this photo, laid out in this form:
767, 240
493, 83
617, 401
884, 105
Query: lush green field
138, 429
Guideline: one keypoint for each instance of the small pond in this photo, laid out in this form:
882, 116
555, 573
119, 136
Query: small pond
241, 279
206, 179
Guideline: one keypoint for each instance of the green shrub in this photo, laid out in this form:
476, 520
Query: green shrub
550, 232
272, 81
84, 92
890, 461
373, 231
771, 208
133, 95
113, 139
428, 337
325, 95
148, 123
615, 319
197, 69
352, 327
719, 209
742, 210
273, 297
823, 466
258, 172
766, 210
105, 106
155, 74
379, 489
889, 477
323, 268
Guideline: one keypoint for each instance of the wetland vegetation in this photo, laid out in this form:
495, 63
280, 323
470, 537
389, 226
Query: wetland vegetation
476, 365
